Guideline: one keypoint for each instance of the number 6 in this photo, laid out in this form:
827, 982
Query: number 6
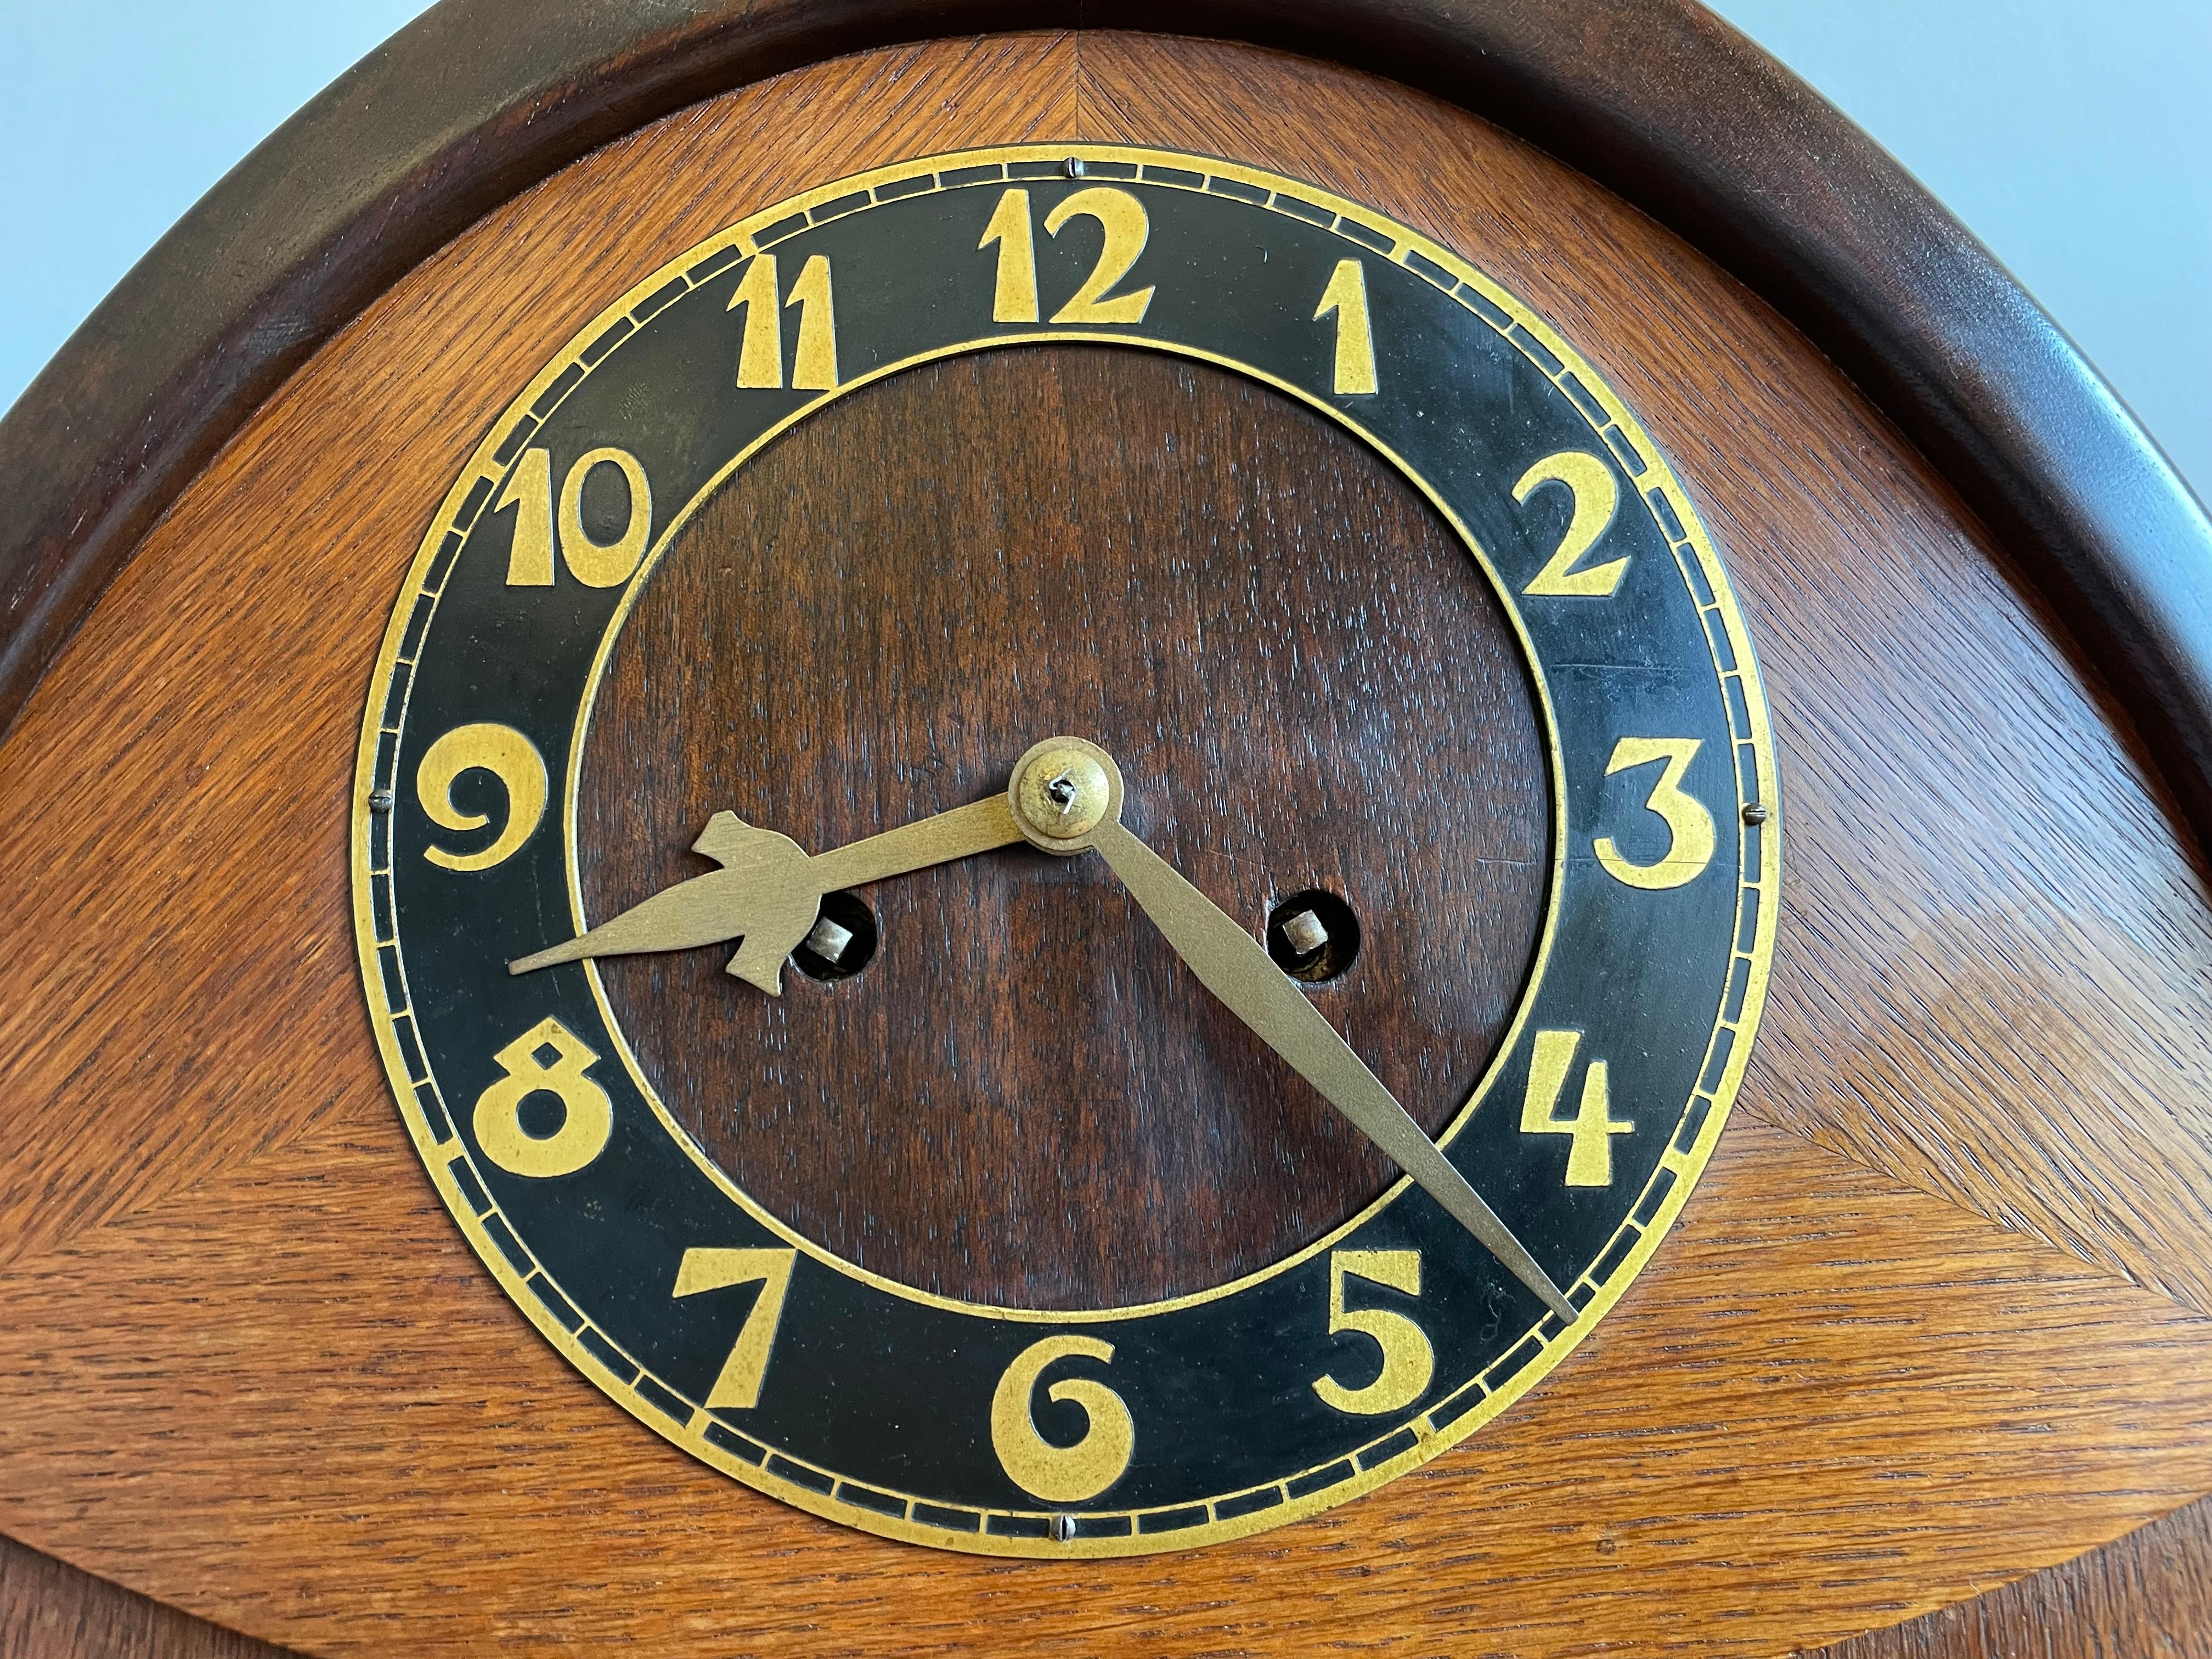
1061, 1475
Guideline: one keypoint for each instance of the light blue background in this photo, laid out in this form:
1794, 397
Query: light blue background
2067, 133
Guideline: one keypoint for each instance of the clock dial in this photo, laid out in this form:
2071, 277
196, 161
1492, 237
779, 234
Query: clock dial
1556, 973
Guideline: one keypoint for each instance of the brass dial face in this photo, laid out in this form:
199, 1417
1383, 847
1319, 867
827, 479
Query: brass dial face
1109, 1428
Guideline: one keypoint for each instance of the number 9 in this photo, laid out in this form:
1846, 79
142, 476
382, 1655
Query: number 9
507, 756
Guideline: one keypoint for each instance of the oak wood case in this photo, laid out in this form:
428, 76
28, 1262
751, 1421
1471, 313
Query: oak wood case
1936, 1318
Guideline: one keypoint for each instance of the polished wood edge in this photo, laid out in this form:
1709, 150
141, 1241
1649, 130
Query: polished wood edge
51, 1610
2148, 1592
1658, 99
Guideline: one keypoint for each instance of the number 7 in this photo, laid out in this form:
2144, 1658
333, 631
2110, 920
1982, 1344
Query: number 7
740, 1383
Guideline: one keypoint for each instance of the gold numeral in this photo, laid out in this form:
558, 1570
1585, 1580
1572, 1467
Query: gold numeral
1014, 297
1596, 498
595, 564
760, 348
1408, 1361
1689, 826
1061, 1475
587, 1115
815, 367
530, 492
1590, 1154
507, 756
605, 564
739, 1383
1347, 296
1120, 215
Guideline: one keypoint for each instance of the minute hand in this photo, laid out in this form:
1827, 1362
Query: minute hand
1237, 968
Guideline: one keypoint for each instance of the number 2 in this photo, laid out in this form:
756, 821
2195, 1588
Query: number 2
1120, 214
1590, 481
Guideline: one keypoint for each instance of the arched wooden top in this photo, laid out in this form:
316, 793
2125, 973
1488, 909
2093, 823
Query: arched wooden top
1658, 99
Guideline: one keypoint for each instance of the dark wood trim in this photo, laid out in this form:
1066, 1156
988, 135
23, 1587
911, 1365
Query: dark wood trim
1658, 99
51, 1610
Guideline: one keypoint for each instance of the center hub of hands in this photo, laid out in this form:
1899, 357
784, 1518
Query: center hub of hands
1062, 789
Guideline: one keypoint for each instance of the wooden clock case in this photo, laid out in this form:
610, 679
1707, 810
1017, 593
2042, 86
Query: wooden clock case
1930, 1343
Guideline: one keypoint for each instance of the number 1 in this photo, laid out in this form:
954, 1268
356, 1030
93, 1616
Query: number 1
1347, 296
1014, 298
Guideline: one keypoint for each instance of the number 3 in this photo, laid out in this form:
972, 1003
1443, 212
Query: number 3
1689, 826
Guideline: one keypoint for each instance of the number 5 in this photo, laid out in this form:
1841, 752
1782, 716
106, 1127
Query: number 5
1408, 1361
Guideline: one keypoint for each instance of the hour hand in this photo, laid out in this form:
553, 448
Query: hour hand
764, 894
769, 891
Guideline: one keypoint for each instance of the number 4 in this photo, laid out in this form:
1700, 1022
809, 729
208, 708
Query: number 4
1589, 1155
740, 1383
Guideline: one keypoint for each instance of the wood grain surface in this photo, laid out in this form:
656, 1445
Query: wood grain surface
1935, 1320
1306, 684
2147, 1596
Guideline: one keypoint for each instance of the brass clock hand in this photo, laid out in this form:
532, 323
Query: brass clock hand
1067, 796
769, 890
